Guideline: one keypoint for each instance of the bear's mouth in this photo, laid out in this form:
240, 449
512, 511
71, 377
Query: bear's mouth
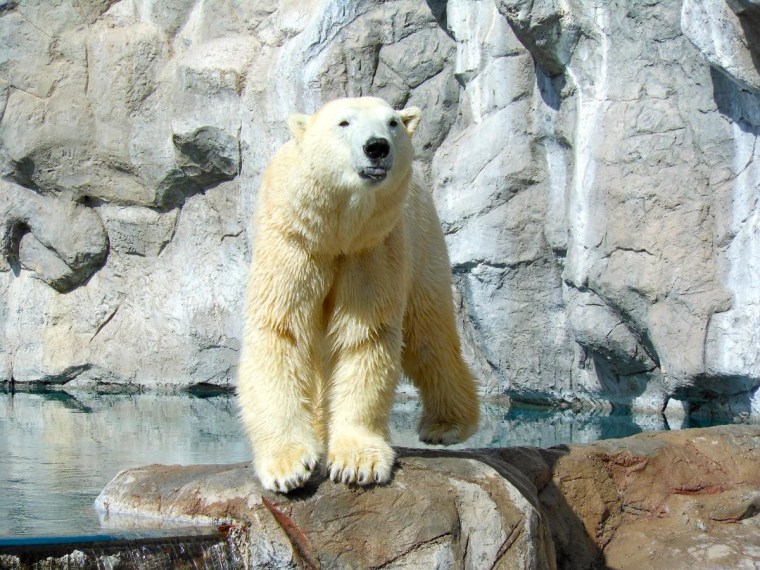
374, 173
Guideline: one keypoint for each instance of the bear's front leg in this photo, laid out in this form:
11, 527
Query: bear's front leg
363, 386
365, 340
280, 374
276, 390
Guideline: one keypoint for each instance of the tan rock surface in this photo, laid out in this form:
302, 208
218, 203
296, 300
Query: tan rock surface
682, 499
439, 512
679, 499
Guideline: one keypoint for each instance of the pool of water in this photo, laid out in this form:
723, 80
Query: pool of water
59, 450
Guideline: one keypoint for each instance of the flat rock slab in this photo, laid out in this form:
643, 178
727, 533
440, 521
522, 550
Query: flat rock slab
441, 511
684, 499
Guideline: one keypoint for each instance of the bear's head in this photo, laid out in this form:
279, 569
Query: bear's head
356, 143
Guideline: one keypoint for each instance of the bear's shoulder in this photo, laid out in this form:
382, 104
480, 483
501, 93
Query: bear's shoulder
287, 156
283, 167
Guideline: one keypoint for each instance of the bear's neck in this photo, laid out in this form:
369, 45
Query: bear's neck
341, 222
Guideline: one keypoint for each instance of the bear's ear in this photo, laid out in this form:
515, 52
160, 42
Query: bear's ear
411, 117
298, 125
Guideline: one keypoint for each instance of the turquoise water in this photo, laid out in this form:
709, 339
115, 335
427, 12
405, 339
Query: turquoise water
59, 450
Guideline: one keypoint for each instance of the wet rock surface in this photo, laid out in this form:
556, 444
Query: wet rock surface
175, 548
683, 499
595, 167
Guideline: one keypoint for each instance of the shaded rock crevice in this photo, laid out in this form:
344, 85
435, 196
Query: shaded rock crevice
61, 241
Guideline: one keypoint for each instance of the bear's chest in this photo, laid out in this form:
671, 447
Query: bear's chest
369, 288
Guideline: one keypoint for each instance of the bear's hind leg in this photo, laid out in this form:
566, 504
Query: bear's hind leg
432, 359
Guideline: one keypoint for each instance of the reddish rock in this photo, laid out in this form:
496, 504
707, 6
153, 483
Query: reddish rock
679, 499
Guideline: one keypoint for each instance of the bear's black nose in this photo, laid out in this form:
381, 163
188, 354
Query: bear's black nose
377, 148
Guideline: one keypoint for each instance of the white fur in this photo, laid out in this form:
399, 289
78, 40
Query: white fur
349, 283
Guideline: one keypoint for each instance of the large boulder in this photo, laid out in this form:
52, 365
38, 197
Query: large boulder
439, 512
682, 499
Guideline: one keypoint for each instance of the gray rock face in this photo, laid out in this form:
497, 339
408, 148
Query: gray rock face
727, 32
58, 240
595, 169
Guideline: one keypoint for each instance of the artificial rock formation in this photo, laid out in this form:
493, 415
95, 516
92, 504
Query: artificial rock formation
438, 513
683, 499
595, 167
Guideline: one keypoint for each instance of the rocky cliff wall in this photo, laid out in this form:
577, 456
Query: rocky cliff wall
594, 164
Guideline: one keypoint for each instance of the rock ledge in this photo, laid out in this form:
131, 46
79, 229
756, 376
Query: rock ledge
669, 499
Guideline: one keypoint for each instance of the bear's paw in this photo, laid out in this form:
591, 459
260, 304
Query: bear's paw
360, 460
445, 432
288, 468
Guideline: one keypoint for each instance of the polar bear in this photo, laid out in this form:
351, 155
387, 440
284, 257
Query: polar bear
350, 282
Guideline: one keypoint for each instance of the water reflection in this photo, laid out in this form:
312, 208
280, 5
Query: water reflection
524, 426
58, 450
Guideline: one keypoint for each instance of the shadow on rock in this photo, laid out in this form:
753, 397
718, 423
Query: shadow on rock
534, 469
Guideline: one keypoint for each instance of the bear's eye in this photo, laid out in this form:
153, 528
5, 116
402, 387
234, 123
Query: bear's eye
343, 123
393, 123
